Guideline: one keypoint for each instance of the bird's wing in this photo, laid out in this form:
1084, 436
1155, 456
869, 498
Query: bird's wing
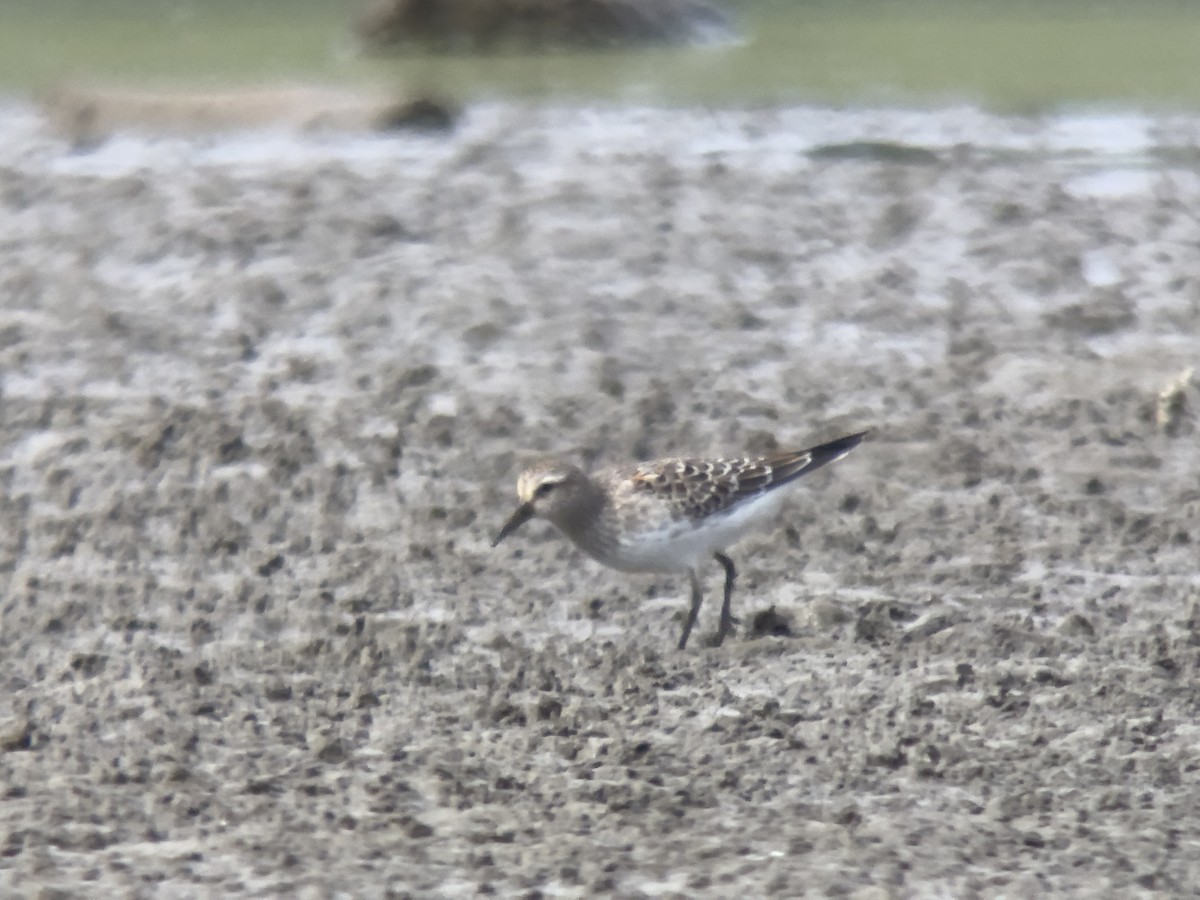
702, 487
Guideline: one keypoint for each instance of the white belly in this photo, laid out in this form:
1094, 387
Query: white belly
682, 546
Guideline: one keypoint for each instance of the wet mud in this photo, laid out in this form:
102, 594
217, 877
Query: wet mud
262, 408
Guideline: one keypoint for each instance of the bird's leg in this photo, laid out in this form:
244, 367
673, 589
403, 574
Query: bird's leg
727, 619
695, 610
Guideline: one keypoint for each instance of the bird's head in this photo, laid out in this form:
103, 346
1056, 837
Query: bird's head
550, 490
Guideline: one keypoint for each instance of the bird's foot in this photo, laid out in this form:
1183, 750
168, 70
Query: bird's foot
727, 627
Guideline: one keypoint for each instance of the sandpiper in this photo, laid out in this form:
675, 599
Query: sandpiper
667, 515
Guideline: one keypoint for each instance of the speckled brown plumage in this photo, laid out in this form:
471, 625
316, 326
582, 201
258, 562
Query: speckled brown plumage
703, 487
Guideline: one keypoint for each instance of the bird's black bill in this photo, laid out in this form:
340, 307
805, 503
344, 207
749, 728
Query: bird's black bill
523, 514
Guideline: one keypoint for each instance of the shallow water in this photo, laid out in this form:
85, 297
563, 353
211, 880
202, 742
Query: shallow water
1005, 56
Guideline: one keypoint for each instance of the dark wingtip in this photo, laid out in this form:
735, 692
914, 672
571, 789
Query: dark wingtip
790, 466
847, 443
827, 453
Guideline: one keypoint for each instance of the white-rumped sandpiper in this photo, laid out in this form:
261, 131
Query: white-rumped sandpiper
667, 515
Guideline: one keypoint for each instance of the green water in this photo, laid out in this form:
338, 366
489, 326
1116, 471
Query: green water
1007, 56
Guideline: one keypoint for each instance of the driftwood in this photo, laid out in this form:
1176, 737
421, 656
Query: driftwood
534, 24
87, 114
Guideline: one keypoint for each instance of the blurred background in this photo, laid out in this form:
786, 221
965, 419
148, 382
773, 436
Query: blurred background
1003, 55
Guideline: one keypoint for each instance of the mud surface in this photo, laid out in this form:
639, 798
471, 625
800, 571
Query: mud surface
263, 405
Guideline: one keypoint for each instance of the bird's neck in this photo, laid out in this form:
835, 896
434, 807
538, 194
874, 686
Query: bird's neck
588, 524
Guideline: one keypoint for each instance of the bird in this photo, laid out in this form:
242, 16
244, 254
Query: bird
667, 515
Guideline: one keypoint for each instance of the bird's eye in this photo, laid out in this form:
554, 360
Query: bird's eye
544, 488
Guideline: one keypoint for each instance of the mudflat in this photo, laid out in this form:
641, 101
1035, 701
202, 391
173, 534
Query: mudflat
263, 403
